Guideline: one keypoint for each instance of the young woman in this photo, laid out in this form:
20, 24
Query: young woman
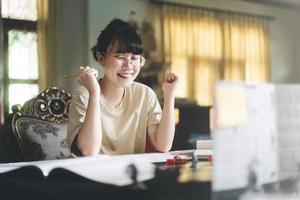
114, 115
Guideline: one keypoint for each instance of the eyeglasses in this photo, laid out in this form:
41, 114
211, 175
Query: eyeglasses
135, 60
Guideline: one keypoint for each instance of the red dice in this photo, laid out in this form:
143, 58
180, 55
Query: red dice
210, 158
176, 161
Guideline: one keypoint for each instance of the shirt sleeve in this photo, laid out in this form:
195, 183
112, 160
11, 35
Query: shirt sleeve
77, 112
154, 114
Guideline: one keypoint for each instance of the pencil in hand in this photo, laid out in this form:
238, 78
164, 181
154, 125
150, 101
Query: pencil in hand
70, 76
82, 69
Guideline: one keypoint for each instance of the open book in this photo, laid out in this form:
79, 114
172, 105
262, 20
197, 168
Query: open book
104, 168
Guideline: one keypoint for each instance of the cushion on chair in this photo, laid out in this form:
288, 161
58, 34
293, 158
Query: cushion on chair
43, 140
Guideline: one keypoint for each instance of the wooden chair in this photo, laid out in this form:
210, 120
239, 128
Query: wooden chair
39, 127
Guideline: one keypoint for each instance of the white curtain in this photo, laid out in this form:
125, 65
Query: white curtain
204, 46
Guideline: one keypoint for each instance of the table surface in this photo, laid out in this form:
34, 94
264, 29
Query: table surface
184, 181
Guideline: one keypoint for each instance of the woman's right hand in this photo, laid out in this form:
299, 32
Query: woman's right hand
88, 78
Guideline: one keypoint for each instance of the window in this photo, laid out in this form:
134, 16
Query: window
203, 46
20, 51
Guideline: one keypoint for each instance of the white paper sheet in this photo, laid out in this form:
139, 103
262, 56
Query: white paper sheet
288, 121
249, 146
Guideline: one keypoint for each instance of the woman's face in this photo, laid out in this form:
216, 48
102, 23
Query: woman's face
121, 69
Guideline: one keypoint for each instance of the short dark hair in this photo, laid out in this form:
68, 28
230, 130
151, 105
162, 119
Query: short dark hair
121, 33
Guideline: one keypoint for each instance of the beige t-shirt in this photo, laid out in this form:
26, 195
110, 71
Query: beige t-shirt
124, 127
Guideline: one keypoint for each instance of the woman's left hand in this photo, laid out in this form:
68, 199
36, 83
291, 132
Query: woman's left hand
170, 85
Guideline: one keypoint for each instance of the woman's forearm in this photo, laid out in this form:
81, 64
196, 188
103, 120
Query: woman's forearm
163, 138
90, 134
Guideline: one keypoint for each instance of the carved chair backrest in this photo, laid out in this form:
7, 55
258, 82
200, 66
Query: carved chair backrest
40, 125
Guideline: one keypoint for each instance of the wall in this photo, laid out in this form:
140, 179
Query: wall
72, 41
286, 48
285, 45
73, 44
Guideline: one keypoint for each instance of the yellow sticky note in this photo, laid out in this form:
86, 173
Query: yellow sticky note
230, 106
